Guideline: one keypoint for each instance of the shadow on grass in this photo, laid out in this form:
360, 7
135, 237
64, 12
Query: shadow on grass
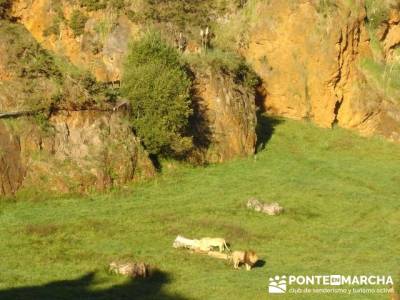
301, 214
265, 129
148, 288
259, 264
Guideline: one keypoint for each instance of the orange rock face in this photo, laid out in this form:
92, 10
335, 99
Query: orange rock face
99, 49
310, 66
225, 117
85, 150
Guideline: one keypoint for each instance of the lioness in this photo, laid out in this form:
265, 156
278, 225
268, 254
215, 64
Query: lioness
207, 243
248, 258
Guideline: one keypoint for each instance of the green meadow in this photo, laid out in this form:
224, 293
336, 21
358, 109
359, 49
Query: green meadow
341, 195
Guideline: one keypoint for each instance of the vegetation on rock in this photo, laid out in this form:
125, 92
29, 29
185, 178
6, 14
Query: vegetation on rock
382, 70
228, 62
77, 22
158, 88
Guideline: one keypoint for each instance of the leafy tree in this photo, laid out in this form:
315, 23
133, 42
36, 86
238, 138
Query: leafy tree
158, 88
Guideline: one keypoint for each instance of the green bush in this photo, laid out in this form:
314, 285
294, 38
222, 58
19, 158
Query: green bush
377, 11
384, 77
326, 7
77, 22
228, 62
187, 15
4, 7
117, 4
26, 58
92, 5
158, 88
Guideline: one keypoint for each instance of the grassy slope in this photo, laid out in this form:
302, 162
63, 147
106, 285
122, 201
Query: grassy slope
341, 193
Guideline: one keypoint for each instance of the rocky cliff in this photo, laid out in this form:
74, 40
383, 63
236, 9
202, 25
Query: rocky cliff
336, 63
225, 122
309, 59
100, 46
86, 150
308, 54
58, 133
71, 139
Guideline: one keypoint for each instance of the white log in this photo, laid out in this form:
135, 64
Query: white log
218, 255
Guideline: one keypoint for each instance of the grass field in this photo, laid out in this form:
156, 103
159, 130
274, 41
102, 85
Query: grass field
342, 198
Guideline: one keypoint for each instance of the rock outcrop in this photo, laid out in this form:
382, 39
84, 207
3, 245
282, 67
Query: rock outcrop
99, 49
389, 35
225, 106
79, 152
54, 136
225, 117
309, 55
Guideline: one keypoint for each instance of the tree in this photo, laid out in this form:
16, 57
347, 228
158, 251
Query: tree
158, 88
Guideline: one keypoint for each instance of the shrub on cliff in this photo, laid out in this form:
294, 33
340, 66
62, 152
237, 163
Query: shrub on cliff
4, 7
378, 12
227, 62
78, 22
158, 89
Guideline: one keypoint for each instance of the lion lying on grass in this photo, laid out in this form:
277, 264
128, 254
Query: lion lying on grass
248, 258
203, 245
207, 244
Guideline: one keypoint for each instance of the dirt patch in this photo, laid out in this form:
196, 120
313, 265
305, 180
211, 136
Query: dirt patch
41, 230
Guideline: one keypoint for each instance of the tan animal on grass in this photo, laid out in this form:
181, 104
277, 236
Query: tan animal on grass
248, 258
130, 269
207, 244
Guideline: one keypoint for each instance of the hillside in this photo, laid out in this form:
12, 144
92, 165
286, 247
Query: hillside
124, 123
340, 218
334, 63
